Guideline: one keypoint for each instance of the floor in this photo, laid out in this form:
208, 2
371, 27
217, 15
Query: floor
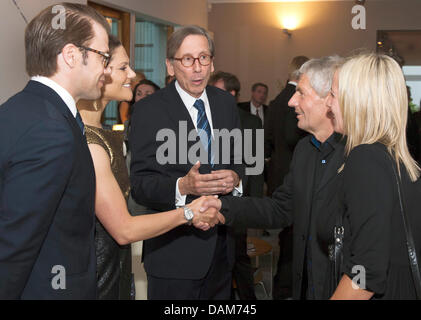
263, 292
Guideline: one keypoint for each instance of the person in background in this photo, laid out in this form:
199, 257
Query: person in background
281, 136
369, 105
413, 131
124, 106
256, 106
115, 227
169, 79
143, 89
253, 186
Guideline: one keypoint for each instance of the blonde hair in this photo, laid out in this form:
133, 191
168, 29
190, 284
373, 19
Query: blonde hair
374, 103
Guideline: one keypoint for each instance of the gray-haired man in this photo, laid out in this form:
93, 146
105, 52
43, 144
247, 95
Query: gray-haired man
185, 263
307, 196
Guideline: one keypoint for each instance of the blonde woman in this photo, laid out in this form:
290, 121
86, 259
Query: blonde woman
115, 226
368, 104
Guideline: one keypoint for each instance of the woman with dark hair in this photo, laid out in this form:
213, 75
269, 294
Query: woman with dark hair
143, 89
115, 226
124, 106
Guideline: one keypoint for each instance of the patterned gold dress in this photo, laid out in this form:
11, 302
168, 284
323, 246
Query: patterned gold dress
114, 277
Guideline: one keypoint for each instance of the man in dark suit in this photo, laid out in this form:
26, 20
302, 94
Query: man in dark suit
242, 272
186, 263
256, 106
47, 180
281, 131
309, 189
281, 136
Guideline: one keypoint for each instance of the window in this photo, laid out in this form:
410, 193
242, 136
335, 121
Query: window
413, 80
150, 50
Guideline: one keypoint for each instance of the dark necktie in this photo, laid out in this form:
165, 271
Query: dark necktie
258, 113
203, 127
80, 122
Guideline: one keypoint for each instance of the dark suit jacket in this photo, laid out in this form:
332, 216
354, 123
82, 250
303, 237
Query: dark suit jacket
295, 202
184, 252
281, 137
47, 194
253, 184
246, 107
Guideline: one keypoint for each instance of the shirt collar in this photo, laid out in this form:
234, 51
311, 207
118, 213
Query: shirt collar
253, 107
333, 140
63, 93
293, 83
187, 99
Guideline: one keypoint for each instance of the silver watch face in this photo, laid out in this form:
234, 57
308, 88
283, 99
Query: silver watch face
188, 214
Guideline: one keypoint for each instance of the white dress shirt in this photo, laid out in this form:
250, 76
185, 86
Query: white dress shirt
63, 93
253, 110
189, 101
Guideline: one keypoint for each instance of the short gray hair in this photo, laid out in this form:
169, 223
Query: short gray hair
320, 72
177, 38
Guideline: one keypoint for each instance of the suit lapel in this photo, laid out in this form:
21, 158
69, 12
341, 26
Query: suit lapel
213, 105
176, 109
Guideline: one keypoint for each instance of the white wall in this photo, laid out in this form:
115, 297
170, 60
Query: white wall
250, 42
180, 12
13, 76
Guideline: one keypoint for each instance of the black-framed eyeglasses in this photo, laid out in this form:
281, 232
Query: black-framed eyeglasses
188, 60
105, 56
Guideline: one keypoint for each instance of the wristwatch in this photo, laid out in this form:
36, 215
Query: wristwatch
188, 214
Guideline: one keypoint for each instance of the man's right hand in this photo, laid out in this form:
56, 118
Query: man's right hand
198, 184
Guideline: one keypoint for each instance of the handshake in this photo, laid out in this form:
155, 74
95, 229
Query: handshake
206, 212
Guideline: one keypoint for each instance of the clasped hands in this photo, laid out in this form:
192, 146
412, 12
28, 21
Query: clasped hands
206, 208
206, 212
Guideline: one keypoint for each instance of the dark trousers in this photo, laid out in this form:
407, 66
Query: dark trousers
282, 282
243, 271
216, 285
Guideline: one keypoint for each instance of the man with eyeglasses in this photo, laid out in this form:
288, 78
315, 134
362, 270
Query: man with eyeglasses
186, 263
47, 179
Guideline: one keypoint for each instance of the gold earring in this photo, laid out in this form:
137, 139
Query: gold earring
95, 104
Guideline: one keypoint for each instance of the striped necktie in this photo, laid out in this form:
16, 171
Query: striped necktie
204, 130
80, 122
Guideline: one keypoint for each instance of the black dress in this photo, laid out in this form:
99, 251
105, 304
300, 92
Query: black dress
375, 240
114, 277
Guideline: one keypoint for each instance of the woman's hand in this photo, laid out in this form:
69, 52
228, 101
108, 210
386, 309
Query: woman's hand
204, 219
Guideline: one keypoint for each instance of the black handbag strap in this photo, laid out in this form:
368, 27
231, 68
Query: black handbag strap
412, 254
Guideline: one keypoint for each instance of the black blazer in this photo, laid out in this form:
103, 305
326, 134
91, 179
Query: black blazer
246, 107
281, 137
296, 203
47, 194
184, 252
253, 184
